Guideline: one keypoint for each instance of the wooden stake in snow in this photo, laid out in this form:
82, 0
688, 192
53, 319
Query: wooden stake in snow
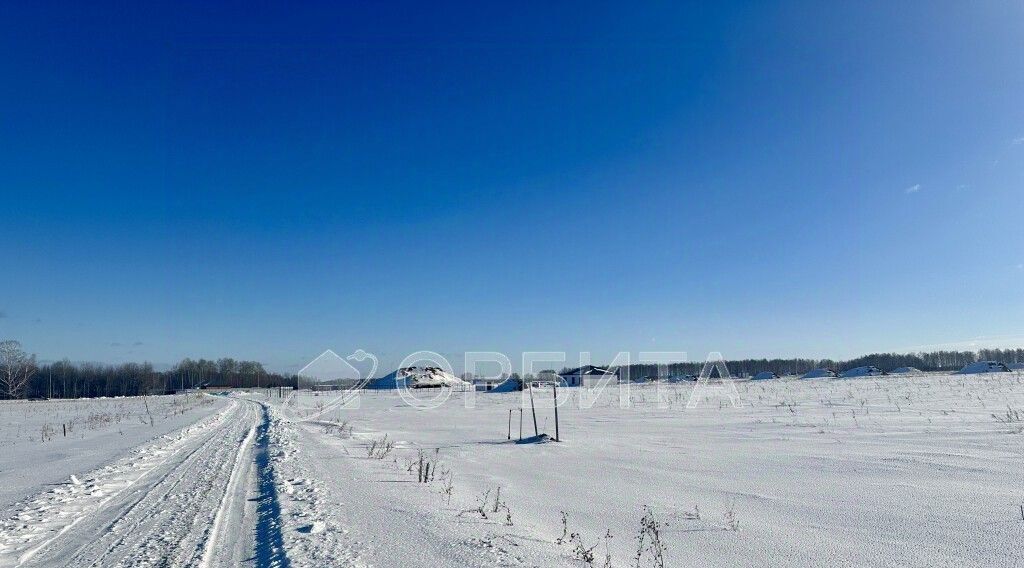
520, 424
555, 389
533, 409
510, 424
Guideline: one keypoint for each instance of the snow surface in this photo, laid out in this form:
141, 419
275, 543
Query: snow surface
905, 371
923, 470
98, 431
920, 471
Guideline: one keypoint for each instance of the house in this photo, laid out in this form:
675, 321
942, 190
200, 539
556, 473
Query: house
512, 384
509, 384
864, 371
984, 367
819, 373
764, 375
588, 374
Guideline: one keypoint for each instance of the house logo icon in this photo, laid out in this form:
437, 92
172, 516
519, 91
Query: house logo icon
337, 378
329, 368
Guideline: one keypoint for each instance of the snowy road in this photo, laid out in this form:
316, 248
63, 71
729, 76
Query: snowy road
188, 499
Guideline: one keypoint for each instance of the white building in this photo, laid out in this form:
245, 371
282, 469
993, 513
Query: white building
588, 374
508, 385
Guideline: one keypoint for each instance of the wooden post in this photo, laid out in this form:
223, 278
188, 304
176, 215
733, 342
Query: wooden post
65, 427
533, 409
520, 424
555, 389
510, 424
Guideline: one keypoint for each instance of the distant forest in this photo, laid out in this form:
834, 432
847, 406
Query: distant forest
21, 377
64, 379
931, 361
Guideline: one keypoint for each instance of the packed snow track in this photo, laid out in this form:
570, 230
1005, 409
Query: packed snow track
187, 499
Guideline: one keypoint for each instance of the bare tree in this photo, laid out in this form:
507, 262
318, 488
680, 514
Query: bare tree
16, 368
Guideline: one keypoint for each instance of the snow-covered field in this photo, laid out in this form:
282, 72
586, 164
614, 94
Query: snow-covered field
880, 471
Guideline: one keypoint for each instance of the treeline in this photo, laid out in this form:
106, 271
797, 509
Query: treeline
65, 379
930, 361
21, 377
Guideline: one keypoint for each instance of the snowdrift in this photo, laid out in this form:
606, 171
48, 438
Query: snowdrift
818, 373
419, 378
984, 367
865, 371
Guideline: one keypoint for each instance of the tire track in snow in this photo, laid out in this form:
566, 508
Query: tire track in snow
46, 518
185, 503
166, 519
234, 486
201, 471
173, 514
270, 550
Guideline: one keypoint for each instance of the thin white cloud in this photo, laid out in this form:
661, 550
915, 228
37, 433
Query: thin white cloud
1018, 141
990, 342
914, 188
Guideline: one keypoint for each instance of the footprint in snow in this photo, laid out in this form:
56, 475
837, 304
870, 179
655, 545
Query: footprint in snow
316, 528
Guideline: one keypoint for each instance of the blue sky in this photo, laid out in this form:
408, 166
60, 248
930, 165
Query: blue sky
268, 181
